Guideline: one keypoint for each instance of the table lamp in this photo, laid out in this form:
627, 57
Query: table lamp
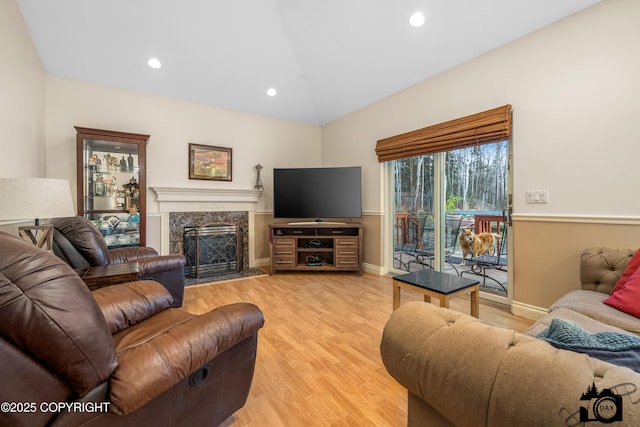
32, 199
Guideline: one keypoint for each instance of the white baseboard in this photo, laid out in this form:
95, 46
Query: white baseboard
374, 269
262, 262
369, 268
527, 311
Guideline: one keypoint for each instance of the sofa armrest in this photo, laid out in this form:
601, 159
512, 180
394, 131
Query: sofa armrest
149, 262
166, 269
474, 374
127, 304
134, 253
159, 264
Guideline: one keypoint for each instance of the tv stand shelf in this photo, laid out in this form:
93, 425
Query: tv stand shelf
316, 247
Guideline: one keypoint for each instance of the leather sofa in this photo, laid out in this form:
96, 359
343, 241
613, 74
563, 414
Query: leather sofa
117, 356
461, 372
80, 244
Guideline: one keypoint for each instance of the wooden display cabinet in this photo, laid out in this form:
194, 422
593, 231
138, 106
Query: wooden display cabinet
316, 247
111, 184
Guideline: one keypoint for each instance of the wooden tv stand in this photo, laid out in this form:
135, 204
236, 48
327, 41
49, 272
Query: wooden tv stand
316, 247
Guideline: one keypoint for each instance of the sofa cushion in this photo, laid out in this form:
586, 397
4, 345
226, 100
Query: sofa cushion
590, 303
586, 322
563, 333
622, 349
601, 267
127, 304
627, 298
632, 267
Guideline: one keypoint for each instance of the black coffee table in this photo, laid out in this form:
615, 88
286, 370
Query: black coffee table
443, 286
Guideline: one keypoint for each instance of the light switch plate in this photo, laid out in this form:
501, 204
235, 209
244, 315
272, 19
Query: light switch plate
537, 196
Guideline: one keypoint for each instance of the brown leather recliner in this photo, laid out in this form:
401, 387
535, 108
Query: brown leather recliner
79, 243
116, 357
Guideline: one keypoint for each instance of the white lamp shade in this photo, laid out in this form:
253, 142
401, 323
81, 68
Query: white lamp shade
35, 198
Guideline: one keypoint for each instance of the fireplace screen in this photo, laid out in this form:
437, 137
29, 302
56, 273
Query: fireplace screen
212, 249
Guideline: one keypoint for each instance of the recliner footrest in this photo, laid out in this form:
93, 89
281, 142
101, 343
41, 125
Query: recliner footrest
158, 355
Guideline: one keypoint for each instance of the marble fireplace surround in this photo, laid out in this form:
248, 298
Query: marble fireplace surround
196, 206
179, 220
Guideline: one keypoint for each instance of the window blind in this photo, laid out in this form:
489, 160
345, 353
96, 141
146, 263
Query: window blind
480, 128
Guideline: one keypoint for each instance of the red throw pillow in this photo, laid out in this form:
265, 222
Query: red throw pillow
627, 298
632, 267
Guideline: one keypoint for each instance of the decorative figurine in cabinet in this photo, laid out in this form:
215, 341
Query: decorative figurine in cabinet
111, 175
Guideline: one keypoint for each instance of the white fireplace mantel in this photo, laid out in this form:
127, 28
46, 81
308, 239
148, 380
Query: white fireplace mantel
179, 199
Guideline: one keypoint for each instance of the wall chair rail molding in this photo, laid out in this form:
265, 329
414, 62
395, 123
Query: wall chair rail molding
582, 219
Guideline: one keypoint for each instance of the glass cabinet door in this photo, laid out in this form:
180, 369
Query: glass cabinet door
111, 184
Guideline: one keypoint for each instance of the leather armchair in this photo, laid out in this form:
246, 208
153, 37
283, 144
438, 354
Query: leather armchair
79, 243
118, 356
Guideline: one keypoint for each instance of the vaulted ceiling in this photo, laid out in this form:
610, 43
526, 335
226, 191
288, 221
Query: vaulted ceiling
325, 58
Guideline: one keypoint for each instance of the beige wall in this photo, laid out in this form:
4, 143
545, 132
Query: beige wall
261, 237
573, 86
173, 124
371, 238
22, 98
547, 260
22, 103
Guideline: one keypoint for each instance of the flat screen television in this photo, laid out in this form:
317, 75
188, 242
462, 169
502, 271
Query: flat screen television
318, 193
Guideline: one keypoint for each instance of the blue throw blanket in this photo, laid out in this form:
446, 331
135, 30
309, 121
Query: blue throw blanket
619, 349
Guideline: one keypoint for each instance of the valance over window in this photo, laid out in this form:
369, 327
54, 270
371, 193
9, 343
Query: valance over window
481, 128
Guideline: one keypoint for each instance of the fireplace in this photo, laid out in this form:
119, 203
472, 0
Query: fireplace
180, 222
212, 249
192, 207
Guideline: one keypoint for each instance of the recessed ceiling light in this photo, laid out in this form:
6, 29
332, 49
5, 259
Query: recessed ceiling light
271, 92
154, 63
417, 20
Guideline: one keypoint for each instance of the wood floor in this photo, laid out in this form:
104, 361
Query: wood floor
318, 360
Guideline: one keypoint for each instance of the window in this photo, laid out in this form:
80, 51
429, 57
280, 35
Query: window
446, 178
475, 188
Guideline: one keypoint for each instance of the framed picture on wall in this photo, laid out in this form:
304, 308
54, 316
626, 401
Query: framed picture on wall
210, 163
